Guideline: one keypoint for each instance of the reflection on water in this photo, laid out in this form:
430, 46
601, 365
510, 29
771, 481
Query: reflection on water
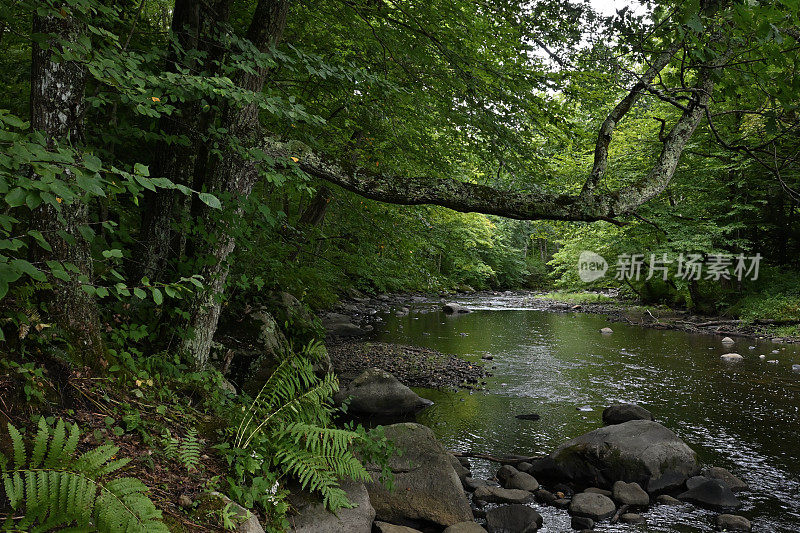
742, 416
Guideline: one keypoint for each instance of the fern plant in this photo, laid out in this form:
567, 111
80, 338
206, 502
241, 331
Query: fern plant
289, 424
55, 488
186, 450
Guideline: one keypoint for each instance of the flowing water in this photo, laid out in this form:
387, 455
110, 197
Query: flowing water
741, 416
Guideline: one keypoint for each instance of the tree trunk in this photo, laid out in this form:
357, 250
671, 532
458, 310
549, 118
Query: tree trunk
193, 26
234, 176
57, 107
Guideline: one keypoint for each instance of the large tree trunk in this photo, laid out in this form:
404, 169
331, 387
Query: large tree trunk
57, 107
231, 175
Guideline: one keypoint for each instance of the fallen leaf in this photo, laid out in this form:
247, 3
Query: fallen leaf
295, 159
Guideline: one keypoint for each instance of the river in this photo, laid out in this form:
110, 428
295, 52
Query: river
741, 416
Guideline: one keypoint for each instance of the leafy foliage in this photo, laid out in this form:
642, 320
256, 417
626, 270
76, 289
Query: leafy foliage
289, 422
54, 487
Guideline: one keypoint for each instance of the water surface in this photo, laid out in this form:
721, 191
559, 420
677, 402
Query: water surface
741, 416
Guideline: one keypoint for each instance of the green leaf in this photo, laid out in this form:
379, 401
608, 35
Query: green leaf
158, 298
210, 200
16, 197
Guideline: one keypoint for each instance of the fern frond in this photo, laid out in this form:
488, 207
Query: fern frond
55, 490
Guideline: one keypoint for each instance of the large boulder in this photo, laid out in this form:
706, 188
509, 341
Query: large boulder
625, 412
377, 392
592, 505
312, 516
515, 518
426, 488
712, 494
638, 451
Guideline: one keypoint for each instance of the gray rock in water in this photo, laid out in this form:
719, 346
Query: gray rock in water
511, 478
732, 522
471, 483
377, 392
516, 518
545, 497
666, 499
606, 331
505, 472
500, 495
454, 308
625, 412
522, 481
630, 494
465, 527
727, 340
712, 494
581, 522
592, 505
733, 482
427, 489
731, 357
314, 518
640, 450
632, 518
383, 527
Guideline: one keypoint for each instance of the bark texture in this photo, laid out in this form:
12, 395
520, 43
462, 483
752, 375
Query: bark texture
232, 175
57, 107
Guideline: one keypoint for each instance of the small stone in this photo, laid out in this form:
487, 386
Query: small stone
727, 340
666, 499
606, 331
591, 505
185, 501
630, 494
471, 483
501, 495
731, 357
562, 503
632, 518
732, 522
545, 497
